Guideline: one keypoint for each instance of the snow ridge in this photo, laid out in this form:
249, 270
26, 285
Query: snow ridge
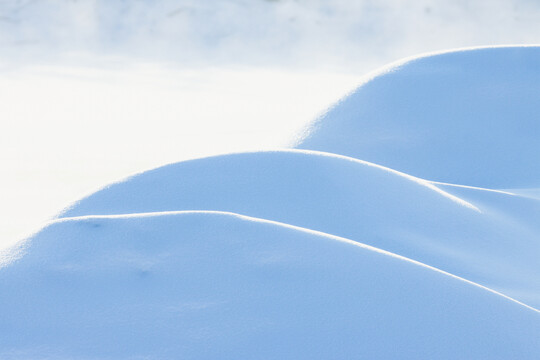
288, 226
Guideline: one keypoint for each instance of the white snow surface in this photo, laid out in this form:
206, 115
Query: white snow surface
214, 285
305, 254
349, 198
464, 117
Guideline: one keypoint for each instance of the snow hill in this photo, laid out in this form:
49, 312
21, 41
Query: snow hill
303, 254
464, 117
349, 198
204, 285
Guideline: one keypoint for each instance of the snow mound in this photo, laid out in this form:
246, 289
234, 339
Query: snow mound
344, 197
467, 117
301, 254
211, 285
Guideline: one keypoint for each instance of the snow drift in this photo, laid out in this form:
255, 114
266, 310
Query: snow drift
302, 254
464, 117
344, 197
210, 285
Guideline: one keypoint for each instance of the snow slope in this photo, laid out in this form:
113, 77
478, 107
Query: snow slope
465, 117
344, 197
215, 285
304, 254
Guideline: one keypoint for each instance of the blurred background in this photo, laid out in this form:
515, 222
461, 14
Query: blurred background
92, 91
317, 34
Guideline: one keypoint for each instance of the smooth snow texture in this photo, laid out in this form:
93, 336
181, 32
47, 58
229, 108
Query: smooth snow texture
90, 127
301, 254
344, 197
467, 117
207, 286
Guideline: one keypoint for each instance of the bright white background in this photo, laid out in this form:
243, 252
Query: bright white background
67, 132
92, 91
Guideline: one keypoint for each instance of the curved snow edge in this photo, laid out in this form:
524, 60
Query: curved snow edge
419, 181
389, 68
19, 249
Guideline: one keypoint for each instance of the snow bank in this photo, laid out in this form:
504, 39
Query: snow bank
464, 117
335, 258
208, 285
344, 197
